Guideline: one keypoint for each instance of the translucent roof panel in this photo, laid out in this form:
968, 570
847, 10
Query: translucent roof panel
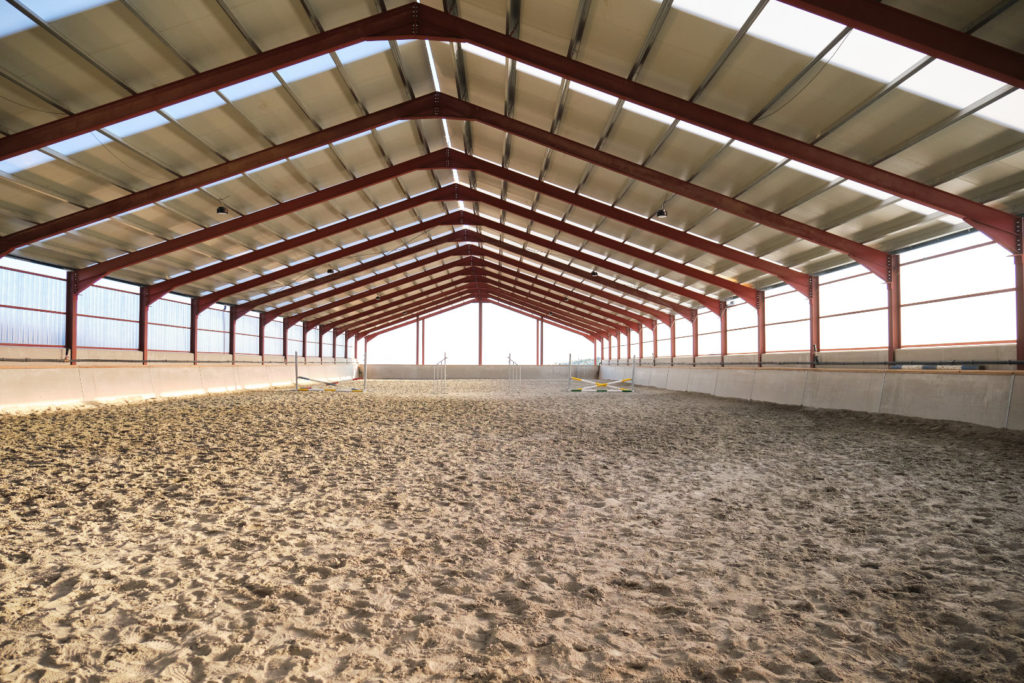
732, 14
950, 84
793, 28
873, 57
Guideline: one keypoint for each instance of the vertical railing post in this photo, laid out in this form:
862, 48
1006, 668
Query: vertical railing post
892, 273
71, 318
814, 299
144, 323
1018, 267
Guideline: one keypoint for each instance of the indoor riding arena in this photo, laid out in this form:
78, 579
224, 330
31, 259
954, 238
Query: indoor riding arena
578, 340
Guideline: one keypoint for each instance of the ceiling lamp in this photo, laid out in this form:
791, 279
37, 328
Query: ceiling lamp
222, 210
661, 213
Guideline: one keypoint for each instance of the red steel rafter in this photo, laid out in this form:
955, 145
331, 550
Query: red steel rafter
444, 158
421, 22
614, 315
417, 304
345, 275
466, 255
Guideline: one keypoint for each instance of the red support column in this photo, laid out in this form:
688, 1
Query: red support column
696, 342
541, 324
144, 323
232, 319
654, 333
595, 351
417, 342
618, 346
895, 314
480, 334
672, 340
814, 298
263, 337
761, 335
1018, 266
305, 335
193, 331
71, 318
723, 318
640, 342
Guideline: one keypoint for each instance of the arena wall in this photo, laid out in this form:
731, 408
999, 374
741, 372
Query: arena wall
990, 398
24, 388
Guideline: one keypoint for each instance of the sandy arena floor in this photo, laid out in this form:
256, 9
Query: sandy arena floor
404, 535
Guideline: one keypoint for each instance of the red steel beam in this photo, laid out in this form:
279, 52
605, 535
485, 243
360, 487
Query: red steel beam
617, 316
458, 298
441, 26
443, 158
746, 293
371, 334
579, 304
419, 107
546, 312
422, 22
465, 254
792, 277
91, 274
383, 24
416, 305
363, 282
433, 243
582, 286
493, 299
870, 258
381, 290
708, 302
447, 193
923, 35
566, 313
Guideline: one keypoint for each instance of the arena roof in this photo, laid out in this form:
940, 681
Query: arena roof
602, 164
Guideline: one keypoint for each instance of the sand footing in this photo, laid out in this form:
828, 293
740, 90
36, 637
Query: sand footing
533, 535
